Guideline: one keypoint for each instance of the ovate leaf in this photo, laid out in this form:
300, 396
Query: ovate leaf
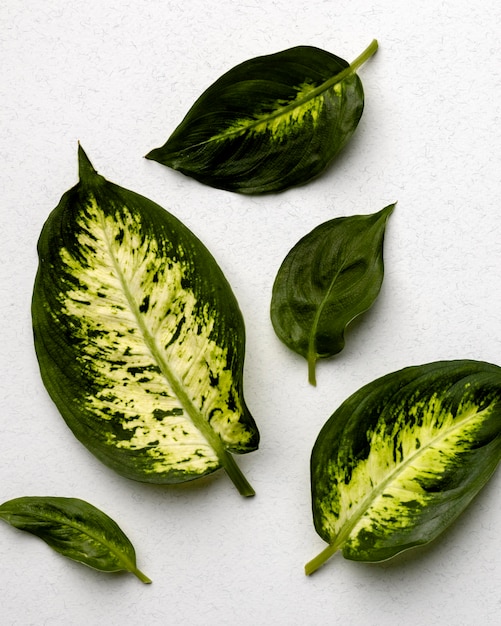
76, 529
269, 123
139, 337
330, 276
403, 456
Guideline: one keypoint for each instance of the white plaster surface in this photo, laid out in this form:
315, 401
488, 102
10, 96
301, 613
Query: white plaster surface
118, 76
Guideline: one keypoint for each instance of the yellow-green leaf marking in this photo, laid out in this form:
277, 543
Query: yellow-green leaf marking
139, 337
270, 122
403, 456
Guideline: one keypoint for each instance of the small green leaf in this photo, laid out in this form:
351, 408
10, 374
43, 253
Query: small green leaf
401, 458
330, 276
75, 529
269, 123
139, 337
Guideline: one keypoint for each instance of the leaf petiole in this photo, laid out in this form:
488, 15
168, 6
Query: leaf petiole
364, 56
321, 558
236, 475
142, 577
312, 362
351, 69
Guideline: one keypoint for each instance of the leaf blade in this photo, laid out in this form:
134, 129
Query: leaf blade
402, 457
270, 122
139, 337
75, 529
330, 277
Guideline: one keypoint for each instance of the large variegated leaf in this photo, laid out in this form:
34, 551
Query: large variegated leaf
332, 275
269, 123
75, 529
139, 337
403, 456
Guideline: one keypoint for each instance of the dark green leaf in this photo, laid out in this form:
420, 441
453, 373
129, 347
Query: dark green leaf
403, 456
75, 529
330, 276
139, 337
269, 123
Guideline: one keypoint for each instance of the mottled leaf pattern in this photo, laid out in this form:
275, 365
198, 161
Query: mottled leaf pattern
330, 276
269, 123
76, 529
403, 456
139, 337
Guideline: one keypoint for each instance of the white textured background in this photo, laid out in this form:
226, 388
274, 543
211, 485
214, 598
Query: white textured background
118, 76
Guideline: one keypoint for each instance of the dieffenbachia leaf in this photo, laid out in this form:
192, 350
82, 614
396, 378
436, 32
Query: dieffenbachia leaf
139, 337
269, 123
76, 529
401, 458
332, 275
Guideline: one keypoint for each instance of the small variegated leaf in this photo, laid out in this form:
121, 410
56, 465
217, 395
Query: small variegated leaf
75, 529
270, 123
332, 275
401, 458
139, 337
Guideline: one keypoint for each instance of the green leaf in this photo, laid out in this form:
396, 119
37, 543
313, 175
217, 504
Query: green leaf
139, 337
330, 276
269, 123
403, 456
75, 529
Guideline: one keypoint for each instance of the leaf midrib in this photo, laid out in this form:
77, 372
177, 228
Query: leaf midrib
375, 493
312, 347
211, 437
120, 555
314, 93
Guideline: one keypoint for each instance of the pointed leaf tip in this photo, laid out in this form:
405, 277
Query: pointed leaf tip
389, 209
85, 167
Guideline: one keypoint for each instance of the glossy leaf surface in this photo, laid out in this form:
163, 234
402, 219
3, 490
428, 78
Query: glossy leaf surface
269, 123
330, 276
403, 456
139, 337
76, 529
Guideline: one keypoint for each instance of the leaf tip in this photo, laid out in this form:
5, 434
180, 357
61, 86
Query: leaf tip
85, 168
387, 211
152, 155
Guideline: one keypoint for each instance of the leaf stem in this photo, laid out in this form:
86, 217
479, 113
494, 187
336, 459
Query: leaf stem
364, 56
142, 577
236, 475
351, 69
312, 361
321, 558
